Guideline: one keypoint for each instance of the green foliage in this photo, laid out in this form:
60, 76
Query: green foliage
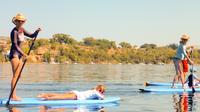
47, 57
60, 59
2, 58
89, 41
99, 55
25, 49
125, 45
64, 49
105, 44
173, 46
40, 42
1, 49
148, 46
63, 39
102, 43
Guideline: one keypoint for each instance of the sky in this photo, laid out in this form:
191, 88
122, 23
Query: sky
160, 22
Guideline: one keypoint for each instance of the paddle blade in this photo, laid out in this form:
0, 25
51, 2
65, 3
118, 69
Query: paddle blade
193, 90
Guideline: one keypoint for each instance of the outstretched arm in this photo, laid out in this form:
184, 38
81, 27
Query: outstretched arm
32, 35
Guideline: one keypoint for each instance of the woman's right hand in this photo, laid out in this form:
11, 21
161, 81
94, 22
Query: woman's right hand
25, 56
39, 29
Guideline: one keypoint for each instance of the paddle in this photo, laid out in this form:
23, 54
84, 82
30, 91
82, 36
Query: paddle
33, 41
193, 90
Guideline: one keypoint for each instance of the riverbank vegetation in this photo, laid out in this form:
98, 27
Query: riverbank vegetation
63, 48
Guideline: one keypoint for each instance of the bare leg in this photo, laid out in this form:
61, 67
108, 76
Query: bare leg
176, 77
182, 77
66, 96
43, 95
16, 67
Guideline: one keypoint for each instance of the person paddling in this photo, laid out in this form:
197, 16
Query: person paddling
16, 54
185, 63
180, 55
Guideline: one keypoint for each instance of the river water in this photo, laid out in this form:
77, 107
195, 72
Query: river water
120, 80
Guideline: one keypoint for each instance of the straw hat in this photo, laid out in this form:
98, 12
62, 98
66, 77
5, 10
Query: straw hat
185, 37
20, 17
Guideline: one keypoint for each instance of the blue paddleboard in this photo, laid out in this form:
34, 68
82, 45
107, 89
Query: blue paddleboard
161, 84
168, 90
38, 101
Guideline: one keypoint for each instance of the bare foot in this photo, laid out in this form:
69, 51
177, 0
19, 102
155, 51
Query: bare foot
16, 98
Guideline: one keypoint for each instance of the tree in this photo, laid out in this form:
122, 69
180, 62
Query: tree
102, 43
173, 46
105, 44
152, 46
63, 39
89, 41
125, 45
47, 57
39, 43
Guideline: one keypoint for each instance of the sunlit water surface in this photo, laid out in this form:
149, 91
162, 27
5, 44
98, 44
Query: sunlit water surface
120, 80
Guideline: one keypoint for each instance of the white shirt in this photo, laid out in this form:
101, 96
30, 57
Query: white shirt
89, 94
181, 52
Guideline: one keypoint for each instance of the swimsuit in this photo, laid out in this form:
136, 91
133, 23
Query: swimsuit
17, 42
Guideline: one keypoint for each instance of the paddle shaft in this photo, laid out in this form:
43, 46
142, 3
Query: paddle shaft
11, 93
193, 90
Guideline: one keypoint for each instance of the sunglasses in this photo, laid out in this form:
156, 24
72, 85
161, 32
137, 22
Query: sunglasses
20, 21
102, 91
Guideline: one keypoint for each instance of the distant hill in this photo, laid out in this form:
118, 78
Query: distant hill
63, 48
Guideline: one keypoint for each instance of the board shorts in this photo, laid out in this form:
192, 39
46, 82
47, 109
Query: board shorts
185, 65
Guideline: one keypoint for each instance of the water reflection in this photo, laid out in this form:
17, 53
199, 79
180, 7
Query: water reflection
183, 102
77, 109
60, 109
14, 109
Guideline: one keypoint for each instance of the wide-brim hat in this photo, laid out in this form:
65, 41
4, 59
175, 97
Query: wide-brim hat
185, 37
19, 17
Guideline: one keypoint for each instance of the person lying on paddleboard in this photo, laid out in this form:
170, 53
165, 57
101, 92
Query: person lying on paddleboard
95, 93
193, 78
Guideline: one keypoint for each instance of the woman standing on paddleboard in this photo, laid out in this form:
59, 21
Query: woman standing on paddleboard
179, 57
17, 37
